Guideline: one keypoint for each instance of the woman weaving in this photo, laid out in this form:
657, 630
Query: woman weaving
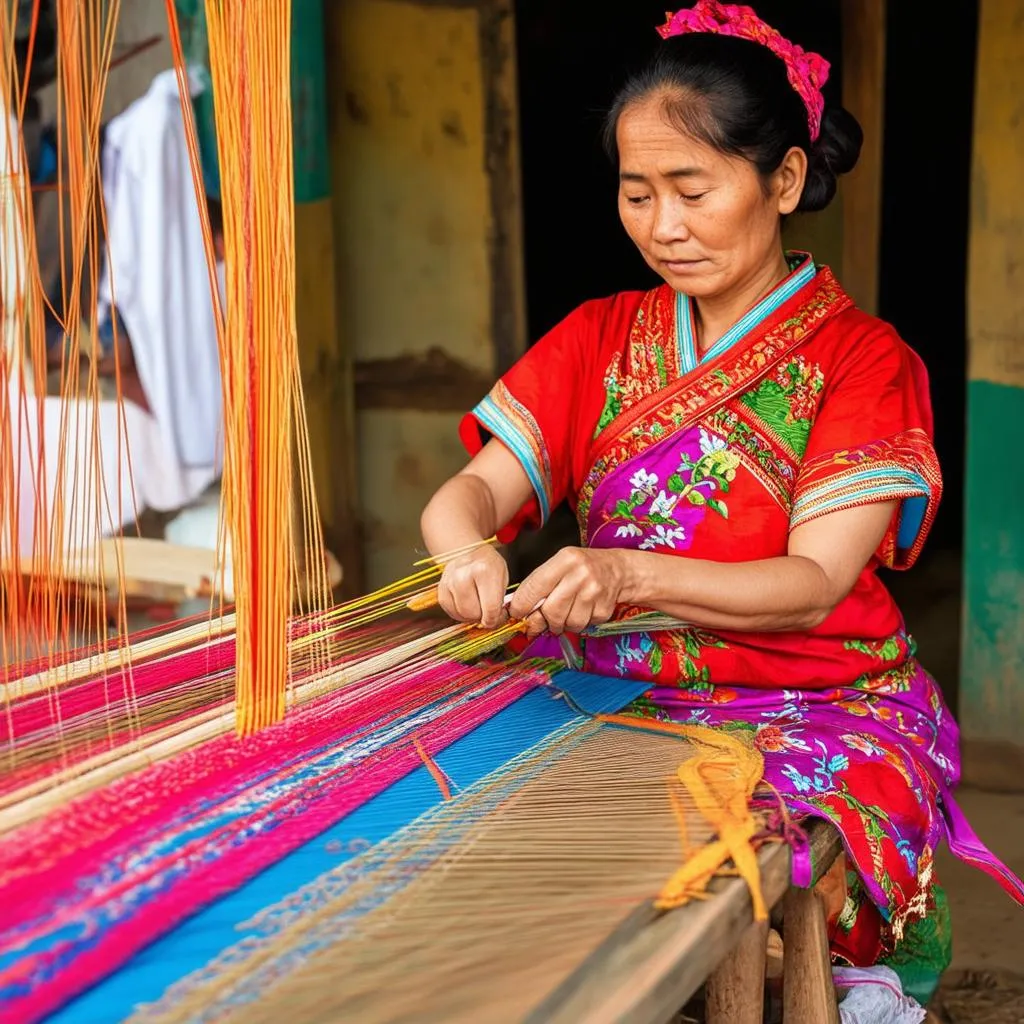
743, 448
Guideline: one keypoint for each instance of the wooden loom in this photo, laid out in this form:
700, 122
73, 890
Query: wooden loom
491, 841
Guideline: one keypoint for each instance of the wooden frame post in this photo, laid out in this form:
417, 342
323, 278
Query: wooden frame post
807, 990
324, 349
735, 991
864, 96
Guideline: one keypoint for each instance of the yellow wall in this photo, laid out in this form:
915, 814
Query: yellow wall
996, 290
424, 207
327, 388
411, 91
992, 677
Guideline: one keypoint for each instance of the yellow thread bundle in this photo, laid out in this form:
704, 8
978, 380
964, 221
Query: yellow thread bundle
720, 778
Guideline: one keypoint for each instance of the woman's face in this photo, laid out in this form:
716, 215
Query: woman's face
704, 221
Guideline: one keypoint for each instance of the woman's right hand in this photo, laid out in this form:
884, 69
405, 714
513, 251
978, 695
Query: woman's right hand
472, 587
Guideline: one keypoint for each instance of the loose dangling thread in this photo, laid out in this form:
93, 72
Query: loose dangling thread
720, 777
436, 772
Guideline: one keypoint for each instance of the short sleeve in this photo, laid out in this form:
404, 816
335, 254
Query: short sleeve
534, 410
871, 441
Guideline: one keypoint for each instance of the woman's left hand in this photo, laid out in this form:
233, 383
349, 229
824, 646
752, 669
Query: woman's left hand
579, 587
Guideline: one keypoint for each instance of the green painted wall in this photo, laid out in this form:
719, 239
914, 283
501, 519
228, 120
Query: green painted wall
992, 678
309, 102
309, 97
195, 47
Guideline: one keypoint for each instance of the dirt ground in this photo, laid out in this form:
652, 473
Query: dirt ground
985, 984
988, 928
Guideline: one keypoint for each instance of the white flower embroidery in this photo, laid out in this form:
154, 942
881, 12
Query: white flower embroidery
663, 537
709, 443
644, 481
629, 530
663, 505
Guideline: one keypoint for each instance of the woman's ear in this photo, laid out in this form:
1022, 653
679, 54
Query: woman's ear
789, 180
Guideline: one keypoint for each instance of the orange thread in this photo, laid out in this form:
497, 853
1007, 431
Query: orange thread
266, 438
679, 810
435, 771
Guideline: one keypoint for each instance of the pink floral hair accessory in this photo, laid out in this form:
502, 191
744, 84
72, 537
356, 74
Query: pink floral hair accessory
808, 72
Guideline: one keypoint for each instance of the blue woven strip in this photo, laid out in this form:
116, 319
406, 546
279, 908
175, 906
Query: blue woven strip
227, 922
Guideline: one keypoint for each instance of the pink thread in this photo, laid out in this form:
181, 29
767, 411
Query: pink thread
808, 72
78, 837
142, 680
45, 712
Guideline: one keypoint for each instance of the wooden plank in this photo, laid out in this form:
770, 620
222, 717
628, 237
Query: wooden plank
824, 845
502, 154
864, 96
431, 381
654, 963
159, 571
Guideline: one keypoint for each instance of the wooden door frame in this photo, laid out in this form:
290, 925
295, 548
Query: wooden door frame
863, 87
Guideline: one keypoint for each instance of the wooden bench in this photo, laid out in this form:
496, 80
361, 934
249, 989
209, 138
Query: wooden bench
653, 964
151, 571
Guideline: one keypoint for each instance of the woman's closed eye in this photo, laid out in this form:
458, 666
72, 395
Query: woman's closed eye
693, 197
637, 200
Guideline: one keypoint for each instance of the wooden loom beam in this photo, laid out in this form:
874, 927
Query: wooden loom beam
654, 963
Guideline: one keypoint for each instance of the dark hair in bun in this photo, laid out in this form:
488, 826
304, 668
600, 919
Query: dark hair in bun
734, 95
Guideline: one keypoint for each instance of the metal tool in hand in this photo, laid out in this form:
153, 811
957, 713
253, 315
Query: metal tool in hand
572, 659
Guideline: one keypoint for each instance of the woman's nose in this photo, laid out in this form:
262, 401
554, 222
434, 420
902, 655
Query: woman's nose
669, 223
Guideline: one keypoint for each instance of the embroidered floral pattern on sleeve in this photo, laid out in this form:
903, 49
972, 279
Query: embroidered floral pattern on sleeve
515, 426
903, 467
